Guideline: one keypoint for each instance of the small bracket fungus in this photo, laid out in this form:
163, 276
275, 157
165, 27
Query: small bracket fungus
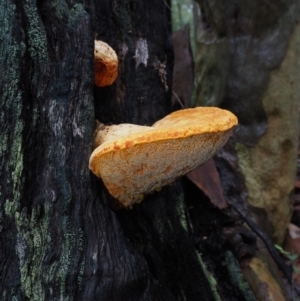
106, 64
134, 160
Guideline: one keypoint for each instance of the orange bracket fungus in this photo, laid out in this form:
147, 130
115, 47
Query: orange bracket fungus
134, 160
106, 64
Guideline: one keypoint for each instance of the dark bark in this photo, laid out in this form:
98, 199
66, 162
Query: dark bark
59, 238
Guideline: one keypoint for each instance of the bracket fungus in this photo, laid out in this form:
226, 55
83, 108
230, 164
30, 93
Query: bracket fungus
134, 160
106, 64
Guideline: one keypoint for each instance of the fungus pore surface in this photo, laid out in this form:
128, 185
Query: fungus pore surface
134, 160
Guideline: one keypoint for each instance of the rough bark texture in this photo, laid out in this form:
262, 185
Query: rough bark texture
59, 239
270, 168
248, 62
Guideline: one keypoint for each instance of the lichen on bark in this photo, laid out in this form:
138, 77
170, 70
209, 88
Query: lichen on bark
11, 129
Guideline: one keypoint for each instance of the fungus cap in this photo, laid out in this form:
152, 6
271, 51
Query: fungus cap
135, 160
106, 64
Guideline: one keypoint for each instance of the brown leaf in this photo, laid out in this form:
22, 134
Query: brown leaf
297, 183
206, 178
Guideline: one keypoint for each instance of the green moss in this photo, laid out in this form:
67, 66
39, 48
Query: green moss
237, 277
244, 159
3, 143
10, 207
37, 37
242, 152
66, 256
11, 52
211, 279
76, 13
33, 239
82, 265
61, 8
22, 226
17, 155
181, 212
14, 295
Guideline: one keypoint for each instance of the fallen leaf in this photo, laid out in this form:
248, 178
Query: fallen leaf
297, 183
206, 177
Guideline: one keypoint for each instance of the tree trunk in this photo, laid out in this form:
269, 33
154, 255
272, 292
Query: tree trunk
248, 62
59, 238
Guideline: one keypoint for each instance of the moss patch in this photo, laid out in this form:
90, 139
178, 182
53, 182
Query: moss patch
211, 279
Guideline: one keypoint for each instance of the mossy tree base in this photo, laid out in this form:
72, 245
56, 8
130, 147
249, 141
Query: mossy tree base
59, 238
